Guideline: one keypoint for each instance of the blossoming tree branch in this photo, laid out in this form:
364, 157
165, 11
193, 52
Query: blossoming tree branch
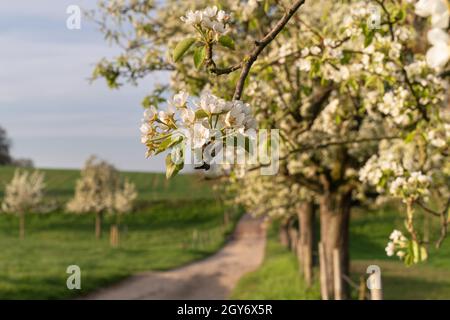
357, 89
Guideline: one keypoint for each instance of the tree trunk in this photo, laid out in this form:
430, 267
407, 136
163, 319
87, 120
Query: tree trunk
334, 232
293, 239
114, 236
284, 233
22, 225
226, 217
98, 224
306, 241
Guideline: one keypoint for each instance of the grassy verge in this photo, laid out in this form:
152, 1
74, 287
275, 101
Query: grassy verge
161, 236
278, 277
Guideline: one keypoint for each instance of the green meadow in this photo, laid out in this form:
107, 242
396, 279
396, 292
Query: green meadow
175, 222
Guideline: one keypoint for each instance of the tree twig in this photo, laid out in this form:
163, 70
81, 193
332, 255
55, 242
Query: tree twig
261, 45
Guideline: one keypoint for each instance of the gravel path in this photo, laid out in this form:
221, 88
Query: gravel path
211, 278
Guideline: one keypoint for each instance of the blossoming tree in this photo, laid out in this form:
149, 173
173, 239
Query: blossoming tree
94, 191
121, 202
357, 97
23, 195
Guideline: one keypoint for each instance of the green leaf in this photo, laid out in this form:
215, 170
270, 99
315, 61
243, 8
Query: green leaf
266, 6
307, 90
168, 143
368, 38
182, 47
400, 15
227, 42
346, 57
410, 137
171, 168
199, 56
200, 114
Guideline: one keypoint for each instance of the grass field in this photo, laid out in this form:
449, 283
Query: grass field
174, 223
177, 222
278, 277
151, 186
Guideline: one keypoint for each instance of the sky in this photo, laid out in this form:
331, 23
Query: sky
52, 113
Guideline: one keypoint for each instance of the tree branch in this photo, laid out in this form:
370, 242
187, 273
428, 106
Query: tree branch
261, 45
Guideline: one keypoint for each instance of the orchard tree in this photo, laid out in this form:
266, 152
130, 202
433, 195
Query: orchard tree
283, 199
358, 100
121, 202
94, 191
23, 195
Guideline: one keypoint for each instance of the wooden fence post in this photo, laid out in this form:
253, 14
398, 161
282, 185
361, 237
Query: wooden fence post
337, 275
362, 288
323, 273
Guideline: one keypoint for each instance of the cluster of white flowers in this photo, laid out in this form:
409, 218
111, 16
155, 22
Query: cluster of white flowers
439, 53
24, 193
196, 122
411, 187
304, 63
393, 104
377, 166
439, 138
124, 197
94, 191
210, 18
326, 122
273, 197
397, 244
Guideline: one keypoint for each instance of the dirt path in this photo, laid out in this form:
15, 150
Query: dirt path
212, 278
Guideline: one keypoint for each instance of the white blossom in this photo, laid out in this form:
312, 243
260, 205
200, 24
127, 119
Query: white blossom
24, 192
439, 53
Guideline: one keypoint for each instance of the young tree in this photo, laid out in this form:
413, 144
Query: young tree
23, 195
94, 191
122, 202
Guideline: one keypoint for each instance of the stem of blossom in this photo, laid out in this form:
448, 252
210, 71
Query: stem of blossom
261, 45
410, 218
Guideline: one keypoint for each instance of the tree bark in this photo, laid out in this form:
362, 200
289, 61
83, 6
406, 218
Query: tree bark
293, 239
226, 217
334, 232
98, 224
306, 241
284, 233
114, 236
22, 225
